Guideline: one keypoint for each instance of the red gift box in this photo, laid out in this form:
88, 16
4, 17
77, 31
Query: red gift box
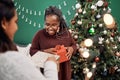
61, 51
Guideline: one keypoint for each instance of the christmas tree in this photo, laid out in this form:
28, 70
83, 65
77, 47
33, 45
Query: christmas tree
98, 41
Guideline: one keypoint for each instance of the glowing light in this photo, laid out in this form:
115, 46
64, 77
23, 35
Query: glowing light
89, 74
88, 42
85, 54
94, 65
109, 21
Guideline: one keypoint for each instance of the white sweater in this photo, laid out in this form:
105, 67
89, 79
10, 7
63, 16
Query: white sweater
15, 66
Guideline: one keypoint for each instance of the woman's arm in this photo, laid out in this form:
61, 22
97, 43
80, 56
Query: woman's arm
72, 48
14, 65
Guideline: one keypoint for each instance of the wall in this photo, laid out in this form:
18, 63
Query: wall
31, 15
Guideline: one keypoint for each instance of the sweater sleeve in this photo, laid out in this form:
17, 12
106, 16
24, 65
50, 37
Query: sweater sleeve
73, 44
35, 44
14, 66
50, 70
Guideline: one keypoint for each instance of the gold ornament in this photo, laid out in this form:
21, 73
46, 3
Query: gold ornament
82, 44
72, 22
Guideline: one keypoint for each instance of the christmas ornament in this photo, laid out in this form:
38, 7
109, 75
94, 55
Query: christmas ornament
105, 32
82, 44
76, 15
88, 42
89, 0
92, 31
78, 6
78, 46
79, 10
85, 70
97, 59
99, 3
104, 72
112, 34
117, 54
104, 9
115, 67
111, 38
92, 11
93, 7
84, 12
79, 22
105, 4
101, 25
109, 21
98, 16
119, 39
70, 30
111, 70
72, 22
75, 36
109, 10
100, 40
107, 41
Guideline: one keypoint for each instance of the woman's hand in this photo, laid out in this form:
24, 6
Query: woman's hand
52, 59
69, 52
50, 50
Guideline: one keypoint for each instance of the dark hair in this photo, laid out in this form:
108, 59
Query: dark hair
53, 10
7, 11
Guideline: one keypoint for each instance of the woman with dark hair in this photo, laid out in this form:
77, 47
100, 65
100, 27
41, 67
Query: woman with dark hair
8, 26
14, 65
55, 33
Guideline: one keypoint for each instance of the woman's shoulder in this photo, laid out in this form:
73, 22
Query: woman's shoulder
40, 32
15, 64
14, 56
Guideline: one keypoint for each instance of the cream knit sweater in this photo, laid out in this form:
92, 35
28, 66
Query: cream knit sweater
15, 66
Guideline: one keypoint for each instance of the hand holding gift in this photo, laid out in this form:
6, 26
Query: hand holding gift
62, 52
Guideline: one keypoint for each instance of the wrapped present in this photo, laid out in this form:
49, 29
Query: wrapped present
61, 51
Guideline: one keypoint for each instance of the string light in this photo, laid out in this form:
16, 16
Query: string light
89, 74
85, 54
88, 42
94, 65
109, 21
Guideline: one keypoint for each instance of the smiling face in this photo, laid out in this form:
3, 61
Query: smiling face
11, 27
52, 24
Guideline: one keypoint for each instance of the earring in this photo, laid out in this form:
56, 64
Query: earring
58, 30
